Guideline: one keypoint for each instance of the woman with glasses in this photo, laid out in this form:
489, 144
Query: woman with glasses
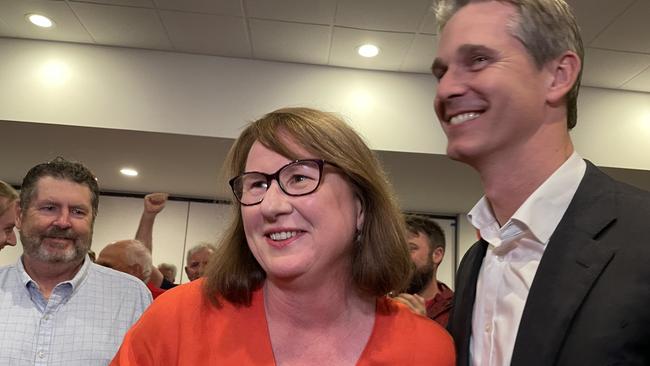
300, 275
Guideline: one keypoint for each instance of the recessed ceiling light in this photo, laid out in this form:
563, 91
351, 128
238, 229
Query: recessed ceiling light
368, 50
128, 171
40, 20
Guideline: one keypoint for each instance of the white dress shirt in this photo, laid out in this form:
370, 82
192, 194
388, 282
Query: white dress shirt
511, 261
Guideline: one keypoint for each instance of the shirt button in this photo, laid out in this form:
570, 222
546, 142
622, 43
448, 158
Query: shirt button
41, 354
500, 258
46, 317
488, 327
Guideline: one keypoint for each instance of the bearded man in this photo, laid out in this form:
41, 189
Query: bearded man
56, 306
426, 295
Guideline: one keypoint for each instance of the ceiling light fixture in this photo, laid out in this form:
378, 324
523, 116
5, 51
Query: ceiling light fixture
129, 172
40, 20
368, 50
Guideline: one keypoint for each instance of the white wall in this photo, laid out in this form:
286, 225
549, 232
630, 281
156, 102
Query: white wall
178, 227
131, 89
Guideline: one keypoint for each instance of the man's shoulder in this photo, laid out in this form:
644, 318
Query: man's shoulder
114, 281
629, 194
7, 268
8, 276
445, 291
628, 199
595, 176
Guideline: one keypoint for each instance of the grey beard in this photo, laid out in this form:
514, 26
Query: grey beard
32, 246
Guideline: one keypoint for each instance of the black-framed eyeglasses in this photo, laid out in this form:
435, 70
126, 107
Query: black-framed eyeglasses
298, 178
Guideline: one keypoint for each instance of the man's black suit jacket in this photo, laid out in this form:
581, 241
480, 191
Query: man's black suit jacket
589, 303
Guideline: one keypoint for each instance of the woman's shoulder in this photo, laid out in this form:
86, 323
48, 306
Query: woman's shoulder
188, 304
400, 316
175, 305
182, 324
411, 337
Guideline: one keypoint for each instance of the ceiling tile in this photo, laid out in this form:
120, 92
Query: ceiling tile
611, 69
136, 3
4, 28
305, 11
639, 83
429, 24
123, 26
67, 26
207, 33
393, 47
221, 7
629, 32
386, 15
421, 54
294, 42
593, 16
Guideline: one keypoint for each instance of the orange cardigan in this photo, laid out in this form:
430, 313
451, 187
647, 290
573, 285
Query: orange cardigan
182, 328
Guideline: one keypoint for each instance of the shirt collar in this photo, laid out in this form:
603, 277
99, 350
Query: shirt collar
25, 279
543, 209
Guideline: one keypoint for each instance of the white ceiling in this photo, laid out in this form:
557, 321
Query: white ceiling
322, 32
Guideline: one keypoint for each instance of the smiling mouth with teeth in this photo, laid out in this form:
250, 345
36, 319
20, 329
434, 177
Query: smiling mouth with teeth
284, 235
463, 117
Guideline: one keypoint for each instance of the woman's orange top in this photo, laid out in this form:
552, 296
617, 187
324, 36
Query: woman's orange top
182, 328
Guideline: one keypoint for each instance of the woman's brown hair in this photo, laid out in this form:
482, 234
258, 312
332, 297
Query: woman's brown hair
380, 262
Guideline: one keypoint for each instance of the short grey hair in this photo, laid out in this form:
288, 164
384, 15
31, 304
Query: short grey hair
546, 28
198, 247
167, 266
136, 253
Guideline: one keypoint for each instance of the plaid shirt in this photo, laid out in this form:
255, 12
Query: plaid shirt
439, 307
82, 323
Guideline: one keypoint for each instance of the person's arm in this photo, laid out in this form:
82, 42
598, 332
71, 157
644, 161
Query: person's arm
153, 204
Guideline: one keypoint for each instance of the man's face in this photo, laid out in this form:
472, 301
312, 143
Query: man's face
420, 250
7, 221
426, 261
196, 263
490, 98
57, 225
168, 273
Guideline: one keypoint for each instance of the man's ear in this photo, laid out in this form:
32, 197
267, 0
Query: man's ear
563, 73
19, 212
360, 213
437, 255
136, 270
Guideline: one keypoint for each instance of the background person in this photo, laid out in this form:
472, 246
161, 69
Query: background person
426, 295
56, 306
197, 260
154, 203
168, 271
301, 274
131, 257
8, 197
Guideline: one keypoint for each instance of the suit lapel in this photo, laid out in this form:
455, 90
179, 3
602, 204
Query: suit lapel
571, 263
460, 325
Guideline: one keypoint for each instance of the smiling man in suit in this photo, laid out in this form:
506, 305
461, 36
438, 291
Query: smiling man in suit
560, 275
